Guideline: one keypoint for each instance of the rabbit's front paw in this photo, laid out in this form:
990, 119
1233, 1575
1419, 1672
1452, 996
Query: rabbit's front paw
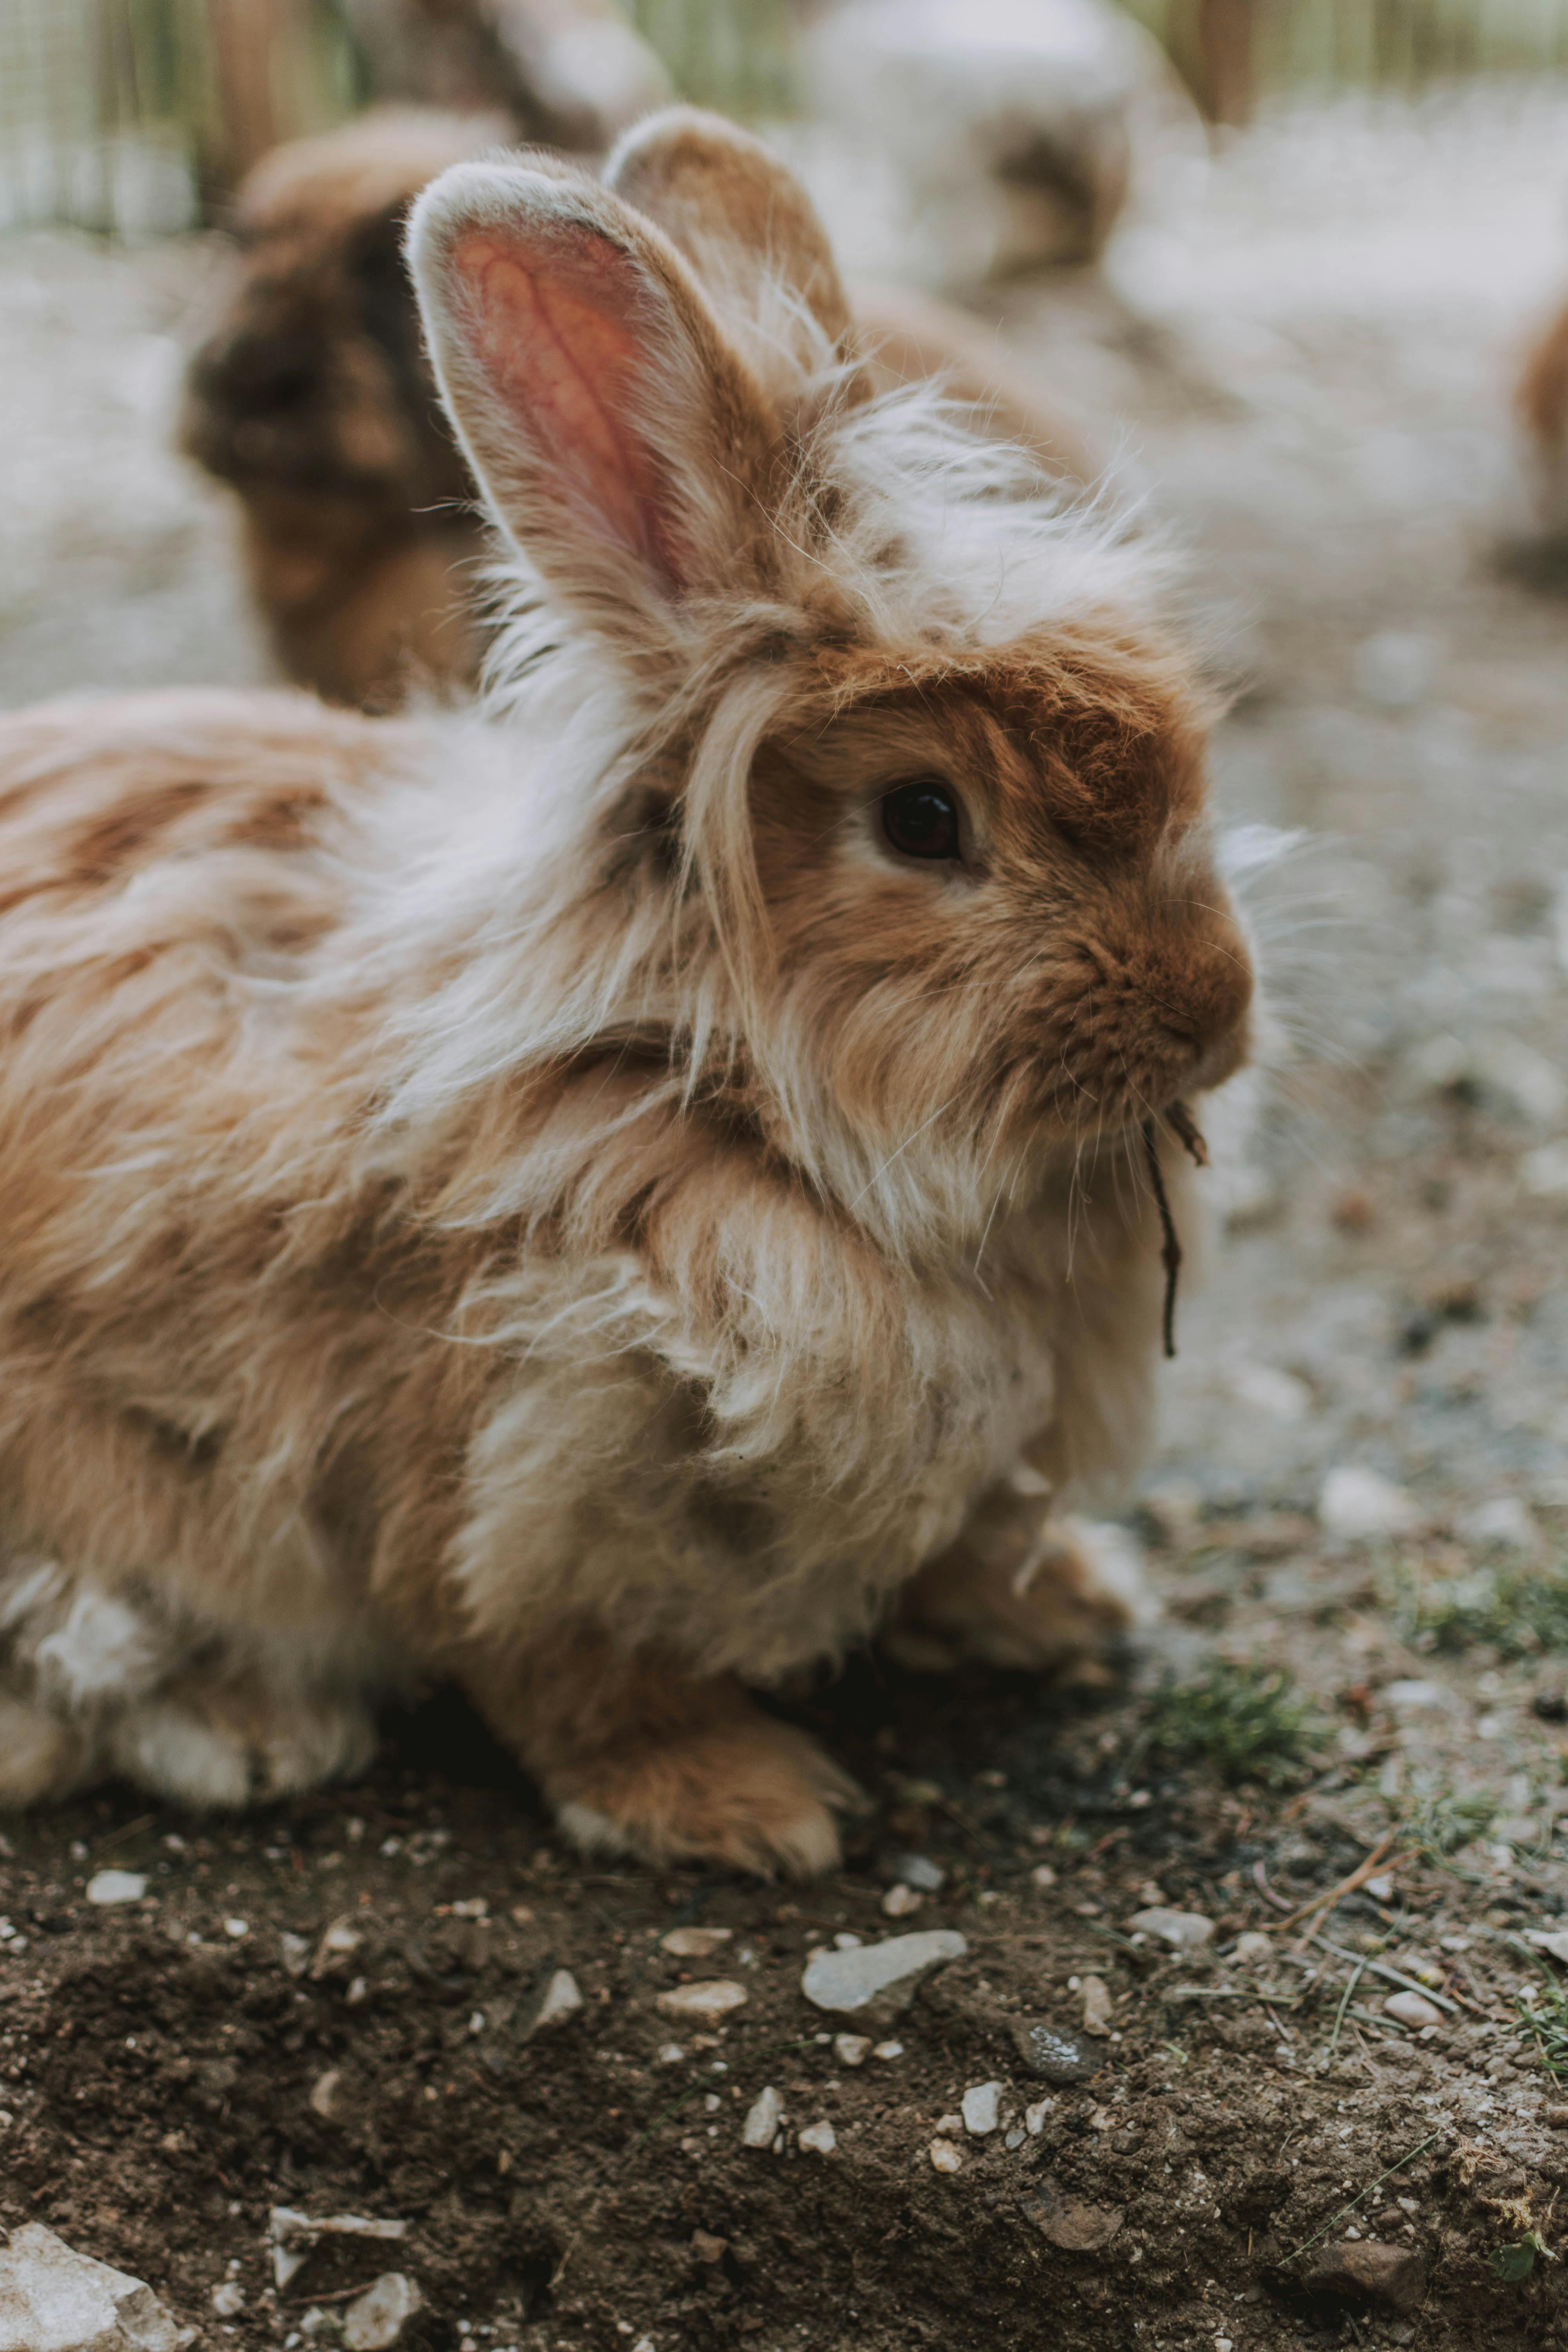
753, 1794
1041, 1606
41, 1759
235, 1743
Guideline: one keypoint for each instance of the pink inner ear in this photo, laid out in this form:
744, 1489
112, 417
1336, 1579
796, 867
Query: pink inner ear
553, 339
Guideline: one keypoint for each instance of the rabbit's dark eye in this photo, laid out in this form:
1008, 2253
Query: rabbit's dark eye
920, 820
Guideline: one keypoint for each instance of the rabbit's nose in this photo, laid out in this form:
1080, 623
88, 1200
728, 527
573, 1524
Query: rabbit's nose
1209, 981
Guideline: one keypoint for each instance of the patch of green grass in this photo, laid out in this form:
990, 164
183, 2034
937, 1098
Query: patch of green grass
1545, 2021
1443, 1822
1520, 1611
1248, 1723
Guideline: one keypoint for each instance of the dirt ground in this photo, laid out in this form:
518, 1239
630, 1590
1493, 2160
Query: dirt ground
334, 2008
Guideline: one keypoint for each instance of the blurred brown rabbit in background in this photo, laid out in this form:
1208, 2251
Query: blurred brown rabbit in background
1544, 413
567, 73
312, 397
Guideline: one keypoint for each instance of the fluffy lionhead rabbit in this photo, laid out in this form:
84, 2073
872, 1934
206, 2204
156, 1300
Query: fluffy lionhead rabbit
610, 1199
312, 396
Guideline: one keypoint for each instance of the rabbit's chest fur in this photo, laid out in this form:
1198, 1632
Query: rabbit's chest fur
248, 1371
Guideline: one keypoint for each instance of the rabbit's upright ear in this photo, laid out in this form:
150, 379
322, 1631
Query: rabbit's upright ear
622, 440
744, 223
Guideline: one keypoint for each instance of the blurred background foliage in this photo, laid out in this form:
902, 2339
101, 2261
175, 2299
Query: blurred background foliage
137, 115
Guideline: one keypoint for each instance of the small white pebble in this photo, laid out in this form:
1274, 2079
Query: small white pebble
852, 2049
1034, 2117
705, 2002
562, 1999
1411, 2009
901, 1902
944, 2156
820, 2138
671, 2053
982, 2108
238, 1928
887, 2050
116, 1886
762, 2119
1043, 1874
846, 1942
694, 1943
228, 2299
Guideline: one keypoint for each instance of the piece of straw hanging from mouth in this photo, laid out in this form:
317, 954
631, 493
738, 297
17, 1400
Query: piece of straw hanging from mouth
1184, 1128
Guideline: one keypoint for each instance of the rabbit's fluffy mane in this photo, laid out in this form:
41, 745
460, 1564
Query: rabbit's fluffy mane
600, 864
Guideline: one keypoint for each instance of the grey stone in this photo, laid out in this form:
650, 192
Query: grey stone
53, 2299
1056, 2053
878, 1980
1185, 1931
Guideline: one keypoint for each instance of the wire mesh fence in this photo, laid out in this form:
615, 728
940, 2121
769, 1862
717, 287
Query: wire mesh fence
134, 115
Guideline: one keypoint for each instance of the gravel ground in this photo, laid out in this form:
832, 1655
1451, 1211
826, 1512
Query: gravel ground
1357, 1527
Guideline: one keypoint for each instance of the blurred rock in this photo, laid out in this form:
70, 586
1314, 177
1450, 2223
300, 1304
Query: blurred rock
1543, 1172
916, 1870
1503, 1524
53, 2299
1396, 668
1357, 1503
1185, 1931
110, 1887
1528, 1083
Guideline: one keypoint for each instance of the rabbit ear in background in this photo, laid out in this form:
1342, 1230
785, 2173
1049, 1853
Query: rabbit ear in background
746, 225
620, 437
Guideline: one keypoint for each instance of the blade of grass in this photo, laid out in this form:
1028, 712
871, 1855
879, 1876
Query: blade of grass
1409, 2157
